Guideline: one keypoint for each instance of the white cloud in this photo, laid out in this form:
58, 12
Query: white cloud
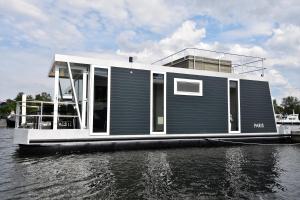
156, 14
23, 8
276, 79
153, 29
125, 39
286, 38
187, 35
284, 47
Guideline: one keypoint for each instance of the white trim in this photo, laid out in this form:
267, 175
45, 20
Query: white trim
151, 103
23, 136
84, 97
239, 107
75, 95
176, 92
92, 90
55, 106
91, 99
135, 65
23, 110
273, 108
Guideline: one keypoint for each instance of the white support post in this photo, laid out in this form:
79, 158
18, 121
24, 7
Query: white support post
91, 99
56, 89
24, 97
75, 95
17, 115
84, 98
41, 116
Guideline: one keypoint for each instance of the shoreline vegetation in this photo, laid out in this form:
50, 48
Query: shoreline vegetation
9, 105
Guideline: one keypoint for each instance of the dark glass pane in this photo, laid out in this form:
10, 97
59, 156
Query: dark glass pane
234, 110
187, 86
100, 100
158, 102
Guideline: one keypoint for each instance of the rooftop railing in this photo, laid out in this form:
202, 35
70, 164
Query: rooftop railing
240, 64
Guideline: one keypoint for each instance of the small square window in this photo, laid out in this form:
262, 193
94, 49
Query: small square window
188, 87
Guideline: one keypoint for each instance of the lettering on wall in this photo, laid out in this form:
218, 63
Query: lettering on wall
258, 125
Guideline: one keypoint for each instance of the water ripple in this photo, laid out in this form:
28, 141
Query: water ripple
239, 172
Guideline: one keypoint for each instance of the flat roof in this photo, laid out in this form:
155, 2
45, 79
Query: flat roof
62, 60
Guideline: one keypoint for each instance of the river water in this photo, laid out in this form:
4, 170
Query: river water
238, 172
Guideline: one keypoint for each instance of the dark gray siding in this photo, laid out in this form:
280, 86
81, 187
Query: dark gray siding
256, 107
130, 102
197, 114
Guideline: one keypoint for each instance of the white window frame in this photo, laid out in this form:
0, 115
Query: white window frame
200, 82
239, 107
91, 102
151, 103
84, 95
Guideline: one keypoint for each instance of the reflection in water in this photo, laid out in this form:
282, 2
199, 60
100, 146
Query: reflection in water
67, 176
233, 169
158, 177
240, 172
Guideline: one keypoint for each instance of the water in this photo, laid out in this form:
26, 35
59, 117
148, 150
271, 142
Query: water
239, 172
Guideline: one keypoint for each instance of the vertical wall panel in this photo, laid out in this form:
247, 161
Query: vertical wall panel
256, 107
130, 101
197, 114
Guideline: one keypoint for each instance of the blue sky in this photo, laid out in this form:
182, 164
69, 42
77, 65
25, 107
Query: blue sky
31, 31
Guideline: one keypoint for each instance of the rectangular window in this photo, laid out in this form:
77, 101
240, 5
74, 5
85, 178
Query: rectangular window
234, 106
100, 100
158, 102
188, 87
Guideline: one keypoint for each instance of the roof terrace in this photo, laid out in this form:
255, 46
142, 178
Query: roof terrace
203, 59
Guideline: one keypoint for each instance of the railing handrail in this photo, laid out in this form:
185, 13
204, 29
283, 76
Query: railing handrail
47, 102
242, 63
207, 50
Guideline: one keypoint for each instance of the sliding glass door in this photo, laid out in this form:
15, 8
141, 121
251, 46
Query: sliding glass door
101, 100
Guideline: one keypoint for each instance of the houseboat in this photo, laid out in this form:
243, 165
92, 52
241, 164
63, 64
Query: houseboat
191, 94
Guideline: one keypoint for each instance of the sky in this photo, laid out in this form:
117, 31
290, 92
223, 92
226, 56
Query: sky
32, 31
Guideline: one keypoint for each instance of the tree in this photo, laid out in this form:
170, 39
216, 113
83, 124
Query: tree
278, 109
19, 97
7, 107
290, 104
10, 105
44, 96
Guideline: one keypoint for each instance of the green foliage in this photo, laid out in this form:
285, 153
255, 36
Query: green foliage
7, 108
290, 104
43, 97
10, 105
277, 108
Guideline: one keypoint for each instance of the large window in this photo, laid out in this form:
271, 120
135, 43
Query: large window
234, 105
188, 87
158, 102
100, 100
